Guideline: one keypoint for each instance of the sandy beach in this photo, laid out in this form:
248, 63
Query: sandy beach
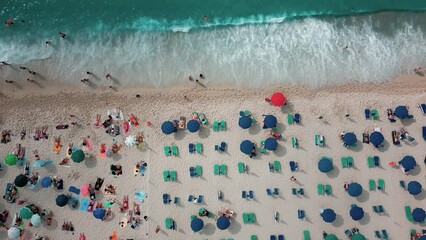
32, 106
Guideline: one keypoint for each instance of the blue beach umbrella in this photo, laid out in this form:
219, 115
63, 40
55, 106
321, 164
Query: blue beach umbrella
325, 165
414, 188
270, 121
357, 213
354, 189
246, 146
244, 122
422, 237
197, 224
167, 127
328, 215
408, 163
61, 200
419, 214
271, 144
349, 139
193, 125
99, 213
376, 138
401, 112
46, 182
223, 223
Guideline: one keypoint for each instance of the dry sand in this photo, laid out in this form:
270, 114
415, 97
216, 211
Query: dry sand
33, 107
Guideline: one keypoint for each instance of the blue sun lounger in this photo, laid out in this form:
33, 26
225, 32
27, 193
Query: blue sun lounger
251, 194
191, 148
166, 198
280, 237
367, 113
423, 108
424, 133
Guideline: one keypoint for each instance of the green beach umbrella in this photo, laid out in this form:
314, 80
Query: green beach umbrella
77, 156
358, 236
10, 159
331, 237
25, 213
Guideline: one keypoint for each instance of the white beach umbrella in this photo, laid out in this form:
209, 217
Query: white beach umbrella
13, 233
130, 141
36, 220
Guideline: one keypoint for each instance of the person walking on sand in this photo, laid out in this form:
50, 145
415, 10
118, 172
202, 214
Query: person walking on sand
89, 73
107, 76
30, 80
10, 81
85, 80
22, 68
190, 78
32, 72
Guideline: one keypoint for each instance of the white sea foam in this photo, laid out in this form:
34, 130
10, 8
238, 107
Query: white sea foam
305, 51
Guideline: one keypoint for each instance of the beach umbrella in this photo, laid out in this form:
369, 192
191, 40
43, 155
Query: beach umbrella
193, 125
358, 236
77, 156
376, 138
197, 224
99, 213
419, 215
42, 163
331, 237
246, 146
278, 99
270, 121
271, 144
36, 220
167, 127
10, 159
13, 233
223, 223
61, 200
46, 182
401, 112
349, 138
244, 122
130, 140
328, 215
325, 165
25, 213
408, 163
357, 213
354, 189
422, 237
414, 187
21, 180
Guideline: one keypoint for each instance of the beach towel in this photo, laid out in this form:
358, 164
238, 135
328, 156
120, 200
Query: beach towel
103, 154
140, 195
126, 127
33, 186
84, 190
74, 190
57, 148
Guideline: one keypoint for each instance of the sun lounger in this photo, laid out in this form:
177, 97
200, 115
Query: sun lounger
370, 161
273, 237
277, 166
269, 192
99, 183
375, 209
74, 190
381, 184
385, 234
348, 233
350, 161
175, 151
251, 194
166, 198
252, 217
276, 191
408, 213
280, 237
377, 234
294, 191
222, 125
173, 176
191, 148
376, 161
271, 167
422, 108
344, 162
244, 194
199, 147
190, 198
424, 132
246, 218
216, 169
367, 113
241, 167
198, 170
381, 209
297, 118
290, 119
372, 184
253, 237
215, 126
223, 169
301, 214
319, 140
320, 189
167, 151
328, 189
166, 175
200, 199
306, 235
192, 172
402, 184
374, 114
301, 191
293, 166
169, 223
294, 142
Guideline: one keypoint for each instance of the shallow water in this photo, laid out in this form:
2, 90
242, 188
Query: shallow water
244, 43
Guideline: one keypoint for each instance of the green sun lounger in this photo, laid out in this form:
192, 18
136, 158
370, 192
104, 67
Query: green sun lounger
223, 169
198, 170
306, 235
173, 176
175, 151
167, 151
215, 126
253, 237
216, 169
344, 162
199, 147
166, 176
408, 213
222, 125
328, 189
262, 149
381, 184
290, 119
374, 114
252, 217
277, 166
241, 167
318, 140
246, 218
350, 161
169, 223
320, 189
192, 217
372, 185
370, 161
294, 142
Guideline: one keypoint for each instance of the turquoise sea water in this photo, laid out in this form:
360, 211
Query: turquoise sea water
244, 42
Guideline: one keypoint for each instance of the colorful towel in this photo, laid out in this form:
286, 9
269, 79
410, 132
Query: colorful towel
89, 144
103, 154
140, 195
84, 203
84, 190
74, 190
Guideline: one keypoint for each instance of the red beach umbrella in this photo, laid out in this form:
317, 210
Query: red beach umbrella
278, 99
